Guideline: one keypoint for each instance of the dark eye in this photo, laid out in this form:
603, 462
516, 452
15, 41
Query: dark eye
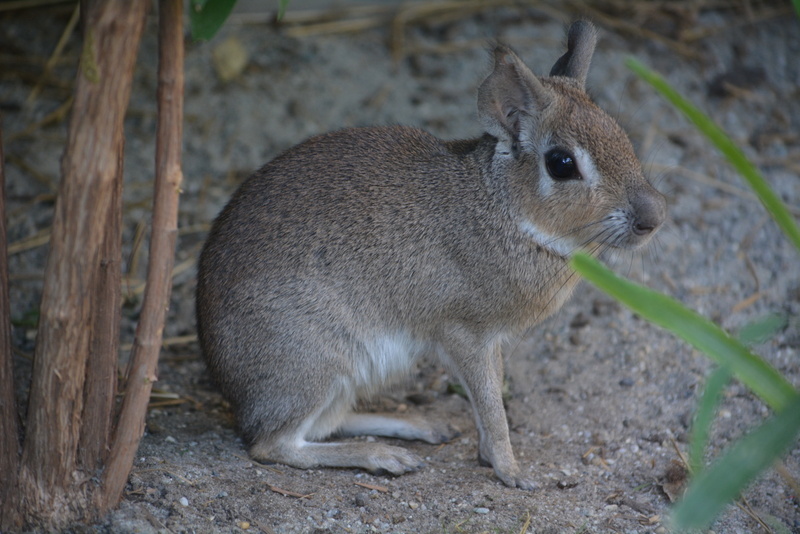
561, 165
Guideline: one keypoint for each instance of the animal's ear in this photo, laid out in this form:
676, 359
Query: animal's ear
508, 95
575, 62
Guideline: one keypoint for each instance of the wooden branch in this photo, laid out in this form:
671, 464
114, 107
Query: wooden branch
9, 426
142, 368
100, 387
49, 492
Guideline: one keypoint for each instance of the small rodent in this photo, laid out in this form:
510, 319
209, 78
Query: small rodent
339, 263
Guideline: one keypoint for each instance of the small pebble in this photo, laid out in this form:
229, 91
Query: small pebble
362, 499
244, 525
413, 505
184, 501
481, 510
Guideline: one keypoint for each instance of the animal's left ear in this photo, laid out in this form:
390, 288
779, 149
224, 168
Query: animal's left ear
509, 95
575, 62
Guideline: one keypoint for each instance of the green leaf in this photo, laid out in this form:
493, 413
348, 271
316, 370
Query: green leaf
283, 4
776, 524
762, 329
706, 408
207, 17
29, 319
729, 475
724, 144
703, 334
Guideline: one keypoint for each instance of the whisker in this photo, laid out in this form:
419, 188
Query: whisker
576, 230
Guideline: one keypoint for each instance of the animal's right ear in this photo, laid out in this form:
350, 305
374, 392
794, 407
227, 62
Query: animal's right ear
510, 93
581, 40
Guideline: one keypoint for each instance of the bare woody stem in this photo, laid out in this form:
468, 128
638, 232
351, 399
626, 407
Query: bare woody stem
48, 491
100, 386
141, 371
9, 426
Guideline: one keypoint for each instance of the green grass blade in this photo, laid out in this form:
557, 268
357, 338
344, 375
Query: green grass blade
207, 16
703, 334
728, 476
283, 4
763, 329
733, 153
706, 408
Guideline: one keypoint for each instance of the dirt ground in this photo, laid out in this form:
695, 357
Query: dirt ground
600, 403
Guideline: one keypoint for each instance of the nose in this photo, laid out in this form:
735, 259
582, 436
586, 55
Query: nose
650, 210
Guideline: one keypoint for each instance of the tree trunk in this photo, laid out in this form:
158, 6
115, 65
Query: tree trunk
142, 367
52, 490
9, 426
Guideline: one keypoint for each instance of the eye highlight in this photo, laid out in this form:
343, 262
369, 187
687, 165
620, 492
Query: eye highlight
561, 165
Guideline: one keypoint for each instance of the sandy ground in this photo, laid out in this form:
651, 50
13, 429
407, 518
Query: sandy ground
599, 401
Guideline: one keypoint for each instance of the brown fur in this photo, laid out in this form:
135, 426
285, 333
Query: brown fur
336, 265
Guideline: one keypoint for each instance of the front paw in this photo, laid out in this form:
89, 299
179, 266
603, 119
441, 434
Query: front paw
511, 476
517, 480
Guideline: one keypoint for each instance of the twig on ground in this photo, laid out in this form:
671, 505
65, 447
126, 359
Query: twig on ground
631, 28
526, 524
53, 117
288, 493
746, 303
382, 489
40, 238
166, 403
29, 4
744, 505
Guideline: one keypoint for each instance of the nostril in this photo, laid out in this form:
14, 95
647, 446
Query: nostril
643, 228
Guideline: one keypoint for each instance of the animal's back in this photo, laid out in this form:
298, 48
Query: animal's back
338, 207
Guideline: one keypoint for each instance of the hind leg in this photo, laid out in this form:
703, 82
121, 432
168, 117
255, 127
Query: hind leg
410, 427
297, 446
293, 448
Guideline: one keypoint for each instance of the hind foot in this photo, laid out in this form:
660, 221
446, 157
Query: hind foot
374, 457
